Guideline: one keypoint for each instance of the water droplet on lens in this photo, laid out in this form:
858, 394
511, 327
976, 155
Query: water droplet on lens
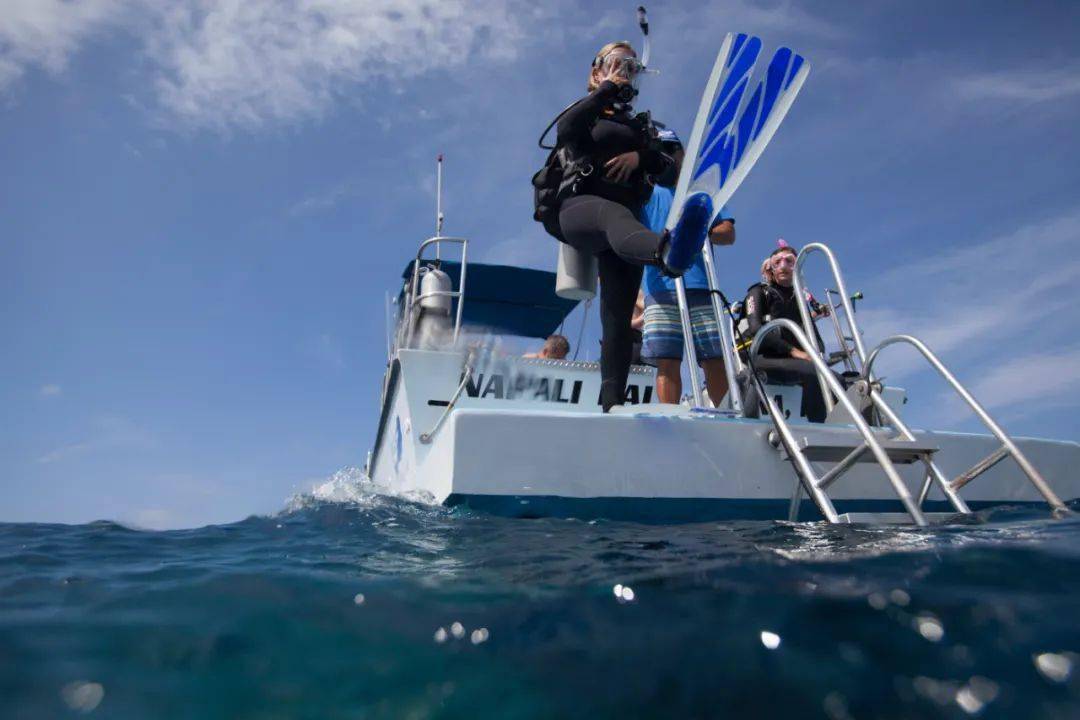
770, 639
1055, 667
968, 702
930, 627
877, 601
82, 696
627, 594
899, 597
457, 630
976, 695
617, 590
940, 691
851, 654
835, 706
440, 635
359, 598
961, 655
479, 635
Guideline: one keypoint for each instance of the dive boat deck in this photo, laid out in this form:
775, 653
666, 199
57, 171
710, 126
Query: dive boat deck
467, 425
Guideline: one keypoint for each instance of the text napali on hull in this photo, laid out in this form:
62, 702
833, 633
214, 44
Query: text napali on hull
522, 386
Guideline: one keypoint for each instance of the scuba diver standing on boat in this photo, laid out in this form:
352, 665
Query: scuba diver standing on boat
610, 159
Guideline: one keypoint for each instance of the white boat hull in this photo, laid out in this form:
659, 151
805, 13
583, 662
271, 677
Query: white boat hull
525, 457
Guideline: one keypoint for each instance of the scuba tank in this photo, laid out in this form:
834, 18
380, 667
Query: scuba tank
432, 323
576, 274
432, 281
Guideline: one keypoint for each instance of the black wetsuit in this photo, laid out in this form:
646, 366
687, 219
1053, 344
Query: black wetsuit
602, 219
772, 302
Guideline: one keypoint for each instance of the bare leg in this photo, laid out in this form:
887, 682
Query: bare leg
669, 380
715, 379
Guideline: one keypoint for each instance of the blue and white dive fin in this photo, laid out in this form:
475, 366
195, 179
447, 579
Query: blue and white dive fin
729, 136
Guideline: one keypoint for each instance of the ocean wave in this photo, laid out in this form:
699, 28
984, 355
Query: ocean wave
351, 486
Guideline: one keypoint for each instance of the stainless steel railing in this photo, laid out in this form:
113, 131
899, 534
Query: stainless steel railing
1008, 447
413, 297
814, 485
845, 300
727, 341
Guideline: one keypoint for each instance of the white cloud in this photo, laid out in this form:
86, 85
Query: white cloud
325, 351
106, 432
45, 33
983, 302
234, 63
999, 314
50, 390
758, 17
65, 451
532, 248
1017, 387
226, 64
1036, 378
321, 201
1028, 86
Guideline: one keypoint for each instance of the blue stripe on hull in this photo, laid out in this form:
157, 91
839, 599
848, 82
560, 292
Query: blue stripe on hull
682, 510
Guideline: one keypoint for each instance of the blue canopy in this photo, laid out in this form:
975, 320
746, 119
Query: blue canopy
505, 299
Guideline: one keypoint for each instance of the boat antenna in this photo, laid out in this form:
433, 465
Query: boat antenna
439, 217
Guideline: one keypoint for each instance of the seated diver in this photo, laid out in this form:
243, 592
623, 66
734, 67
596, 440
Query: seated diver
556, 347
614, 155
781, 359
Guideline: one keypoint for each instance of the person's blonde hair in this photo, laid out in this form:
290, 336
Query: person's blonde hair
766, 270
625, 44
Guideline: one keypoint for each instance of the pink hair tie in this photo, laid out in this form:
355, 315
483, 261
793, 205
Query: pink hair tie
781, 242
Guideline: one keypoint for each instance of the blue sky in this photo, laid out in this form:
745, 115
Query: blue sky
203, 203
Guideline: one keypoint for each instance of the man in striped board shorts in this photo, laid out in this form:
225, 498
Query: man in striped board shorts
662, 344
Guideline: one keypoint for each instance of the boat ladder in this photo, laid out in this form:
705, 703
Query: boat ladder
890, 441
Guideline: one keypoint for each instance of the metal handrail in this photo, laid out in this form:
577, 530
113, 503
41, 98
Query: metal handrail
813, 487
933, 472
845, 299
413, 298
466, 376
727, 340
727, 337
1033, 475
834, 316
688, 342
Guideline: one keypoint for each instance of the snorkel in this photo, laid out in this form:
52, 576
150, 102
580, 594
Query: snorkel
643, 23
641, 65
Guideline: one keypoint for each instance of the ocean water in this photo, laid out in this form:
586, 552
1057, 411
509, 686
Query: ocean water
352, 604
